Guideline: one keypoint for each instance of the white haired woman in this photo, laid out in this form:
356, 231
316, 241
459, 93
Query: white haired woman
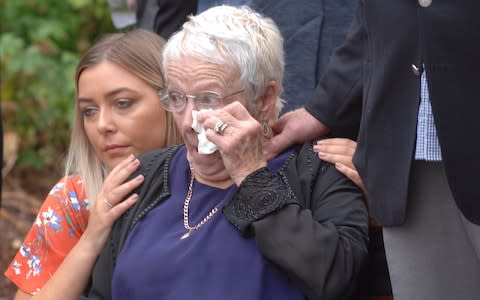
215, 219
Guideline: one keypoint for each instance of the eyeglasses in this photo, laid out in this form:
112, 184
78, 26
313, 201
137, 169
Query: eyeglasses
176, 101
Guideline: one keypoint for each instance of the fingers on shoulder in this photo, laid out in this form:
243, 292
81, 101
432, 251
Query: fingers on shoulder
120, 208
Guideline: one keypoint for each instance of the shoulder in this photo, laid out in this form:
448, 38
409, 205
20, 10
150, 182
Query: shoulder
59, 224
308, 174
67, 191
74, 184
156, 157
154, 166
304, 159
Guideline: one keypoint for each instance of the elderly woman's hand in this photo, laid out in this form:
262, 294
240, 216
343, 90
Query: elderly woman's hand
240, 144
340, 151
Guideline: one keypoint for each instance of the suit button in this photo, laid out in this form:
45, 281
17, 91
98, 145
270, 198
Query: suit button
425, 3
416, 70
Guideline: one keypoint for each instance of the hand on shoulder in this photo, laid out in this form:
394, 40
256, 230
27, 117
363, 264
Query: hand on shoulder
294, 127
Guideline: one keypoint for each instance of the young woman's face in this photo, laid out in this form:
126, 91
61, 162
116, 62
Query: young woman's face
121, 113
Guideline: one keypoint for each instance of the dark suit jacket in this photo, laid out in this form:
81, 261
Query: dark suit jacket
169, 15
311, 31
370, 89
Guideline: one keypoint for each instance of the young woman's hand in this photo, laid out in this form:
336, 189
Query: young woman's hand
340, 151
112, 201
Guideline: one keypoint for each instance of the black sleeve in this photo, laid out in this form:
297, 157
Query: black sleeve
320, 246
337, 101
101, 279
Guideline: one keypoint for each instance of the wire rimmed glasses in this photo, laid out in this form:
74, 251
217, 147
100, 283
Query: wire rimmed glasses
176, 101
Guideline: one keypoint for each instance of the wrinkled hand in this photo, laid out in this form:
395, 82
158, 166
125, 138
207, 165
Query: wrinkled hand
297, 126
240, 144
109, 206
340, 151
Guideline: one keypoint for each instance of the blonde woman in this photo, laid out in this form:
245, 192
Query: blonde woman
118, 116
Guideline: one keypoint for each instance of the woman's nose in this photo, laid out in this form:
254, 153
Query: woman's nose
186, 114
105, 122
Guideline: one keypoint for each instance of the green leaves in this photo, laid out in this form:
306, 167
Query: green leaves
40, 45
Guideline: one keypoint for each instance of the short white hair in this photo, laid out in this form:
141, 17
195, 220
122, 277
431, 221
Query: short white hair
236, 37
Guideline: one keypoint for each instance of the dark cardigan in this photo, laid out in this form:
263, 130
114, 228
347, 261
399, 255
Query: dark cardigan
312, 222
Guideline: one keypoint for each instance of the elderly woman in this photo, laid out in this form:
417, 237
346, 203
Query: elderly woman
217, 221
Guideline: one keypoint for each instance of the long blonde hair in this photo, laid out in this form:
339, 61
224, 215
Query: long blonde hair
138, 51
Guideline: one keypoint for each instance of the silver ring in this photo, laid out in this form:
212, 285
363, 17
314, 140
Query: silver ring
107, 203
220, 127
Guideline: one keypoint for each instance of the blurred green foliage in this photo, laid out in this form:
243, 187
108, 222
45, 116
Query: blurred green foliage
40, 44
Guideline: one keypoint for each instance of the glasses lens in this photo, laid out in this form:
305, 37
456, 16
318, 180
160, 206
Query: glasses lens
176, 101
208, 100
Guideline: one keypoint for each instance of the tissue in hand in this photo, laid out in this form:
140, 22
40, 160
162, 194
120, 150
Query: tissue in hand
204, 145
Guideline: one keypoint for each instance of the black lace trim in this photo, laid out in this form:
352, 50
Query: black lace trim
260, 194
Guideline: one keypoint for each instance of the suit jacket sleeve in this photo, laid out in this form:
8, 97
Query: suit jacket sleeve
337, 101
171, 15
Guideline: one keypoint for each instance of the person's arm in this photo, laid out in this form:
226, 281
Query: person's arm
71, 277
337, 103
294, 127
313, 225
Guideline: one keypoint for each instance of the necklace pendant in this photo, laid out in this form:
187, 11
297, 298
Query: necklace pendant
186, 234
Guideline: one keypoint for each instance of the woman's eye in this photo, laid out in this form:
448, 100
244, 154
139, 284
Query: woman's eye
123, 103
209, 99
88, 111
175, 97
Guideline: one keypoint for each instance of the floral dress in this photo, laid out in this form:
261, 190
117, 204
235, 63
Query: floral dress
60, 222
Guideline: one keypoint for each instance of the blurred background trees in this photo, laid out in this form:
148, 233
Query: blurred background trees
41, 42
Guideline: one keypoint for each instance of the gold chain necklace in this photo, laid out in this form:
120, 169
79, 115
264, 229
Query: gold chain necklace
186, 204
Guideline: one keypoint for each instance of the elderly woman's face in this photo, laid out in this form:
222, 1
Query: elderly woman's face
197, 78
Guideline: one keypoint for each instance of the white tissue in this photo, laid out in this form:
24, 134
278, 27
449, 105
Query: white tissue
204, 145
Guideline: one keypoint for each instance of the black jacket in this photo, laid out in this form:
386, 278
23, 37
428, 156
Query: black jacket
311, 30
164, 17
371, 89
312, 223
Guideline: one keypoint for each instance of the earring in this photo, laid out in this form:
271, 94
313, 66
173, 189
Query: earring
266, 129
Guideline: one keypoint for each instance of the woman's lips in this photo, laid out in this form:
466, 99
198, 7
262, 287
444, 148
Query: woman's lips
115, 149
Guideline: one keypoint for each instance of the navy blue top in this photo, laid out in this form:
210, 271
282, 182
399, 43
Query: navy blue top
214, 262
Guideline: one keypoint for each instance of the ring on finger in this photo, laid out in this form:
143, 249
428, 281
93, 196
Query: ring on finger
107, 203
220, 127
